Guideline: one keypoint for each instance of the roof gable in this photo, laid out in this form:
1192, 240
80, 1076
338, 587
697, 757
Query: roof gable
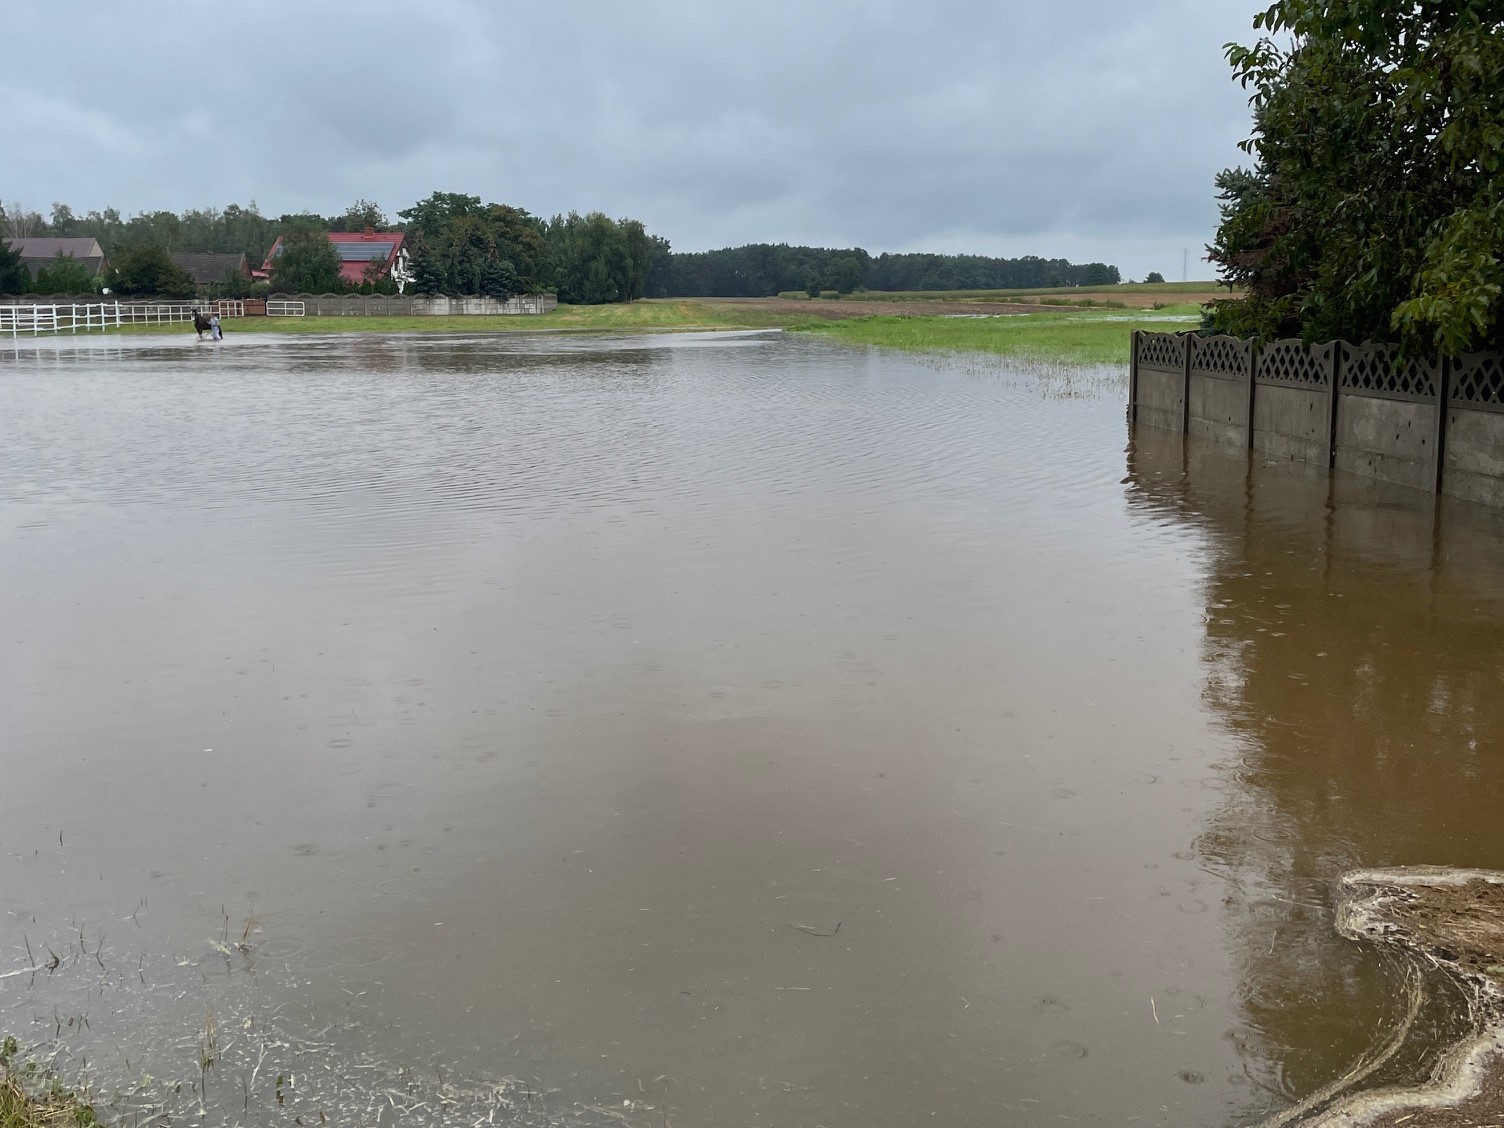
208, 268
48, 246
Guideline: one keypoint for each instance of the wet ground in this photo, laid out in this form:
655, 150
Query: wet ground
722, 729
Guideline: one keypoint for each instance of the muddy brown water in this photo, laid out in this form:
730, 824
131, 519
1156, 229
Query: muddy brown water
720, 729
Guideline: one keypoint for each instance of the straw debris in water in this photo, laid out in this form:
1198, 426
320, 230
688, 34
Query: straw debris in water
1453, 921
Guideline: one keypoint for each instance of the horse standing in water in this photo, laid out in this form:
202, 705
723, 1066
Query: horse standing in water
200, 324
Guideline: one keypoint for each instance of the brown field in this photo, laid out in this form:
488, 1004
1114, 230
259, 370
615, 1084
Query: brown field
1135, 298
824, 309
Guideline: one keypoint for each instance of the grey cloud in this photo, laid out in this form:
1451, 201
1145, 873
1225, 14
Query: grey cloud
1021, 126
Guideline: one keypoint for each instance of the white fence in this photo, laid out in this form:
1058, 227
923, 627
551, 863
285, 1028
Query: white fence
37, 319
277, 307
34, 320
157, 313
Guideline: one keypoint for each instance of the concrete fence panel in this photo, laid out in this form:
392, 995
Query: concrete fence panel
1220, 382
1473, 452
1159, 377
1292, 401
1387, 416
420, 305
1433, 423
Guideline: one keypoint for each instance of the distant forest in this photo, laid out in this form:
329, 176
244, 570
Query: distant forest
460, 245
764, 269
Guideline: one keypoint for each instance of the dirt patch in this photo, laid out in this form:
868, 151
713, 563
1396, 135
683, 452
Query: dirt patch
1134, 300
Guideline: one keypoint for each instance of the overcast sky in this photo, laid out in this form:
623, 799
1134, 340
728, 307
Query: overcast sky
1088, 129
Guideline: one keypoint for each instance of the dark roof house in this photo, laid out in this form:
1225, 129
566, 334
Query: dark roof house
38, 251
357, 251
210, 269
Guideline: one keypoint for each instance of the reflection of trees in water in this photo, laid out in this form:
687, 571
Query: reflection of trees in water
1353, 647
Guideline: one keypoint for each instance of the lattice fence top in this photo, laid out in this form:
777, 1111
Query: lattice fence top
1221, 356
1478, 380
1296, 363
1161, 350
1376, 369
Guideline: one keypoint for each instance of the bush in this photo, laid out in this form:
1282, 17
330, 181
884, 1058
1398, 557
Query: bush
1375, 206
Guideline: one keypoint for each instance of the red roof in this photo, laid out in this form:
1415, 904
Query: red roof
393, 237
356, 250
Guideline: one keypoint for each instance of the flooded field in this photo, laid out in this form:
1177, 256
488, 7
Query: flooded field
709, 730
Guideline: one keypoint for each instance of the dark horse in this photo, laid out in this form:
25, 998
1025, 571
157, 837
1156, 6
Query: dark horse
200, 324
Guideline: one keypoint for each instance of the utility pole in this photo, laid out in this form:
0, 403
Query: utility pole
1185, 264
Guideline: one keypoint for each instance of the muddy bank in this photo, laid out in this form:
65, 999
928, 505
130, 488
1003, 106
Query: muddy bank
1452, 921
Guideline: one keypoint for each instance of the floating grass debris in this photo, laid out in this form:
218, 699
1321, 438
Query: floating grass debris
1450, 921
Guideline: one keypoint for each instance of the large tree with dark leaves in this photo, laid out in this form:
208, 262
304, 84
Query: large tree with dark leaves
461, 246
307, 263
594, 259
14, 277
146, 270
1375, 207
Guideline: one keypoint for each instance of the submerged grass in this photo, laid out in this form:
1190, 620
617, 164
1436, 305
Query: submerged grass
30, 1099
1083, 337
669, 315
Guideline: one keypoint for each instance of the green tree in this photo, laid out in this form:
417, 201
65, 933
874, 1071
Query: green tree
459, 245
145, 269
306, 263
845, 274
430, 217
1154, 276
428, 274
660, 268
360, 215
594, 259
63, 222
162, 228
233, 285
66, 275
14, 277
1375, 206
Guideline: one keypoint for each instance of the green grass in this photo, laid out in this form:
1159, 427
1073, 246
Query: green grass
670, 314
29, 1099
1078, 335
1084, 337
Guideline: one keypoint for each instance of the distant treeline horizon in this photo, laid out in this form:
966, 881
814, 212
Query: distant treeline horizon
765, 269
753, 270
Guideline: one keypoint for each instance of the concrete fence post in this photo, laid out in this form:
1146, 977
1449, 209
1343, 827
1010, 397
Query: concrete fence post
1185, 386
1253, 377
1334, 374
1443, 403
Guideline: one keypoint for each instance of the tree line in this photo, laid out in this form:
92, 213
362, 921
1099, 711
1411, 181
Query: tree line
457, 244
763, 269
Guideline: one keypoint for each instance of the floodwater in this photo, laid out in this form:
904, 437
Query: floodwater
705, 730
